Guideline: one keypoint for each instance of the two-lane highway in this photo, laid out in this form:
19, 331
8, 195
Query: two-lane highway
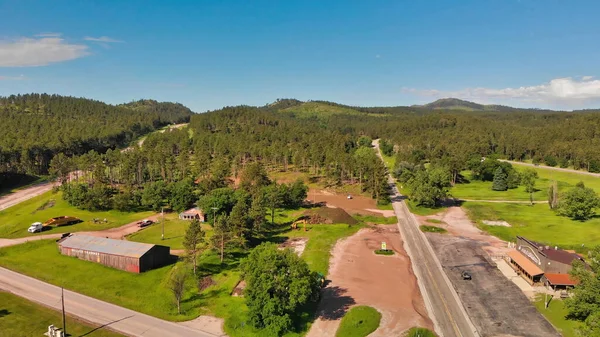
120, 319
442, 302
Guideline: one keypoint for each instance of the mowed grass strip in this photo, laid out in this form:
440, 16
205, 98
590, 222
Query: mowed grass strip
174, 232
15, 220
537, 222
146, 292
321, 239
556, 314
20, 317
359, 322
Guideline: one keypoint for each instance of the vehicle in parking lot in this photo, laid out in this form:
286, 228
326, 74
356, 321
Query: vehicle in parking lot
145, 223
465, 275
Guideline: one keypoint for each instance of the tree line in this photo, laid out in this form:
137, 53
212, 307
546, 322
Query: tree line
37, 127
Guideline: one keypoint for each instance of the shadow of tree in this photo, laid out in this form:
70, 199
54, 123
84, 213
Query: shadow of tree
335, 303
4, 312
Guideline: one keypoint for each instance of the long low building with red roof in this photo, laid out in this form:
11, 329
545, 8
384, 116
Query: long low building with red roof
542, 264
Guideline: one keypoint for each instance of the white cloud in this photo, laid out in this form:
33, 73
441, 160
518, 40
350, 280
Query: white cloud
104, 39
559, 90
31, 52
12, 78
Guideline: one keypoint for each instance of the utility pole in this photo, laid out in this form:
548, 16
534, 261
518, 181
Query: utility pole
214, 209
162, 212
62, 297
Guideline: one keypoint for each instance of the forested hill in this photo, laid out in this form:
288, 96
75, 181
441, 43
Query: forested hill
35, 127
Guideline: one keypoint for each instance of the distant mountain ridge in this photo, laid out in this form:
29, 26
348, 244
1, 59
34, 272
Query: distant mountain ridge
459, 104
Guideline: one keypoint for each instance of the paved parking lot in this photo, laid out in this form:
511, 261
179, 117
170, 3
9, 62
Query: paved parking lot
496, 305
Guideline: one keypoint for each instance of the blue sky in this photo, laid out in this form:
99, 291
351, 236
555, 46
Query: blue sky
209, 54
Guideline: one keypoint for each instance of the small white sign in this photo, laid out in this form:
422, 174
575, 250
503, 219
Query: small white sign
383, 246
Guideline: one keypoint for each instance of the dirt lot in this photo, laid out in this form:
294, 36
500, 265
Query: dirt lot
358, 204
359, 277
496, 305
456, 221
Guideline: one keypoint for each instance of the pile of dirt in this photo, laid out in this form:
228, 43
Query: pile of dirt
328, 215
48, 204
238, 291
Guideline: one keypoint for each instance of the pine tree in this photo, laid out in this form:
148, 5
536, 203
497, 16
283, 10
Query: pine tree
553, 195
500, 180
194, 236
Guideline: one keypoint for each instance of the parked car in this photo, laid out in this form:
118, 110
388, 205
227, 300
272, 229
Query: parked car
145, 223
35, 227
465, 275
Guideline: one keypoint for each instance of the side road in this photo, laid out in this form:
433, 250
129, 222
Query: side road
19, 196
125, 321
552, 168
442, 302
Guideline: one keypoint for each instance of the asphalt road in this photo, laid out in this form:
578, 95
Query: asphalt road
442, 302
552, 168
122, 320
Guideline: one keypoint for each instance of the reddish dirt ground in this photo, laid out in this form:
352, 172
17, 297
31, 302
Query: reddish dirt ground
358, 204
458, 224
360, 277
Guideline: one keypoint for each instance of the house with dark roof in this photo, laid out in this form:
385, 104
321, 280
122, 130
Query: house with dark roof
538, 263
130, 256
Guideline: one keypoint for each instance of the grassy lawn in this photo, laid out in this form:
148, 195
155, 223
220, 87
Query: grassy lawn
432, 229
419, 332
379, 220
20, 317
144, 292
388, 207
555, 314
41, 259
359, 322
174, 232
389, 162
538, 223
15, 220
482, 190
321, 239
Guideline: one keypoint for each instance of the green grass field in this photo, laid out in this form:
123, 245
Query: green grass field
174, 232
15, 220
432, 229
145, 292
20, 317
538, 223
419, 332
390, 162
321, 239
359, 322
555, 314
378, 220
482, 190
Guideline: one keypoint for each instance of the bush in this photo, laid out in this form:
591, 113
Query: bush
432, 229
359, 322
550, 160
384, 252
420, 332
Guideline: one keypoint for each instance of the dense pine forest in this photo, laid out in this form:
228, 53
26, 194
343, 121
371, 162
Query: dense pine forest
36, 127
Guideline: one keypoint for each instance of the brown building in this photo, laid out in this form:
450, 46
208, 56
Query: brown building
192, 214
120, 254
538, 263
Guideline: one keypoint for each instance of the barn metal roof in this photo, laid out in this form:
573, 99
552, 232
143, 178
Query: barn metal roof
105, 245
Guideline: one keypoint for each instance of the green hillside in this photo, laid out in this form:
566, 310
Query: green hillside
314, 109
